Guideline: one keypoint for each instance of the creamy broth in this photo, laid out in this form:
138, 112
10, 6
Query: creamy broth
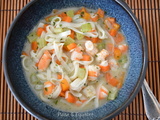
76, 59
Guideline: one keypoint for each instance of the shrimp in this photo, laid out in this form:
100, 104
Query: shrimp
77, 54
113, 64
102, 55
104, 66
90, 48
103, 93
123, 47
93, 72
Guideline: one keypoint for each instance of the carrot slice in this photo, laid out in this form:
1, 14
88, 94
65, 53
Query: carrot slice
86, 16
100, 12
39, 31
119, 38
62, 15
51, 51
113, 32
59, 76
116, 26
81, 10
62, 94
67, 19
44, 61
48, 88
34, 46
72, 35
104, 68
58, 62
86, 58
71, 98
24, 53
92, 73
71, 46
64, 85
117, 53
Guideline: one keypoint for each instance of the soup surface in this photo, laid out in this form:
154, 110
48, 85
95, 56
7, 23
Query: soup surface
76, 59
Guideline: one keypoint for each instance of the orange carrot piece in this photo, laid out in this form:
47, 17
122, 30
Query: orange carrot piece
62, 15
119, 38
124, 48
51, 51
111, 80
81, 10
24, 53
62, 94
44, 27
95, 40
67, 19
58, 62
113, 32
44, 61
81, 66
92, 73
36, 64
111, 19
71, 98
117, 53
95, 18
72, 35
39, 31
110, 47
59, 76
100, 12
71, 46
64, 85
104, 68
34, 46
48, 88
86, 58
86, 16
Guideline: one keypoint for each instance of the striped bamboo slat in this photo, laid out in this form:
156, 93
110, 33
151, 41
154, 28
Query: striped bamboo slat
148, 14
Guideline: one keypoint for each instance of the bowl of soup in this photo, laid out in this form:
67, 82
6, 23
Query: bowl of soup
75, 59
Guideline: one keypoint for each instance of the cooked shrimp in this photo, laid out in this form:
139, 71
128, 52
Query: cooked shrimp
103, 93
113, 64
44, 61
102, 55
93, 72
77, 54
123, 48
104, 66
90, 48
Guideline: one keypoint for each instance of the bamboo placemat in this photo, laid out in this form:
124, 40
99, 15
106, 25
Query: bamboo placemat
147, 12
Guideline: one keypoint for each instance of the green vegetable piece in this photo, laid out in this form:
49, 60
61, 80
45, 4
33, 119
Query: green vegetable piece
58, 30
86, 27
33, 78
81, 73
113, 93
41, 42
50, 19
79, 36
123, 60
68, 41
70, 13
32, 37
101, 46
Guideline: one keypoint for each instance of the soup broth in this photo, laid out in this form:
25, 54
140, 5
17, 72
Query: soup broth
76, 59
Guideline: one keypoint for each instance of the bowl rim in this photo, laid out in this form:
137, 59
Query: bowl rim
109, 116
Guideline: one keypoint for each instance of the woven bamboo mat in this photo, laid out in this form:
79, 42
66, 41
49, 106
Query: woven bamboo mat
147, 12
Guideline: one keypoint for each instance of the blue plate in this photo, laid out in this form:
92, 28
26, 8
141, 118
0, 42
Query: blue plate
29, 17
